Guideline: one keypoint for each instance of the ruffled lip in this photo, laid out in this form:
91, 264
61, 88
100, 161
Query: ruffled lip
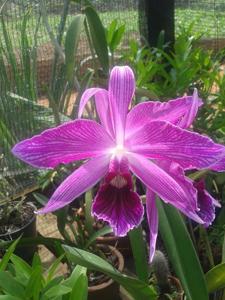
118, 205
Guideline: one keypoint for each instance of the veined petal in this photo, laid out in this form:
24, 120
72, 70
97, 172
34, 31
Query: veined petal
191, 113
180, 112
219, 165
121, 91
71, 141
206, 204
152, 216
118, 205
177, 173
164, 185
102, 106
86, 97
163, 140
77, 183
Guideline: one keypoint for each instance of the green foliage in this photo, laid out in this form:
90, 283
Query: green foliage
18, 66
181, 252
139, 250
98, 37
71, 44
20, 281
138, 289
169, 74
215, 278
114, 35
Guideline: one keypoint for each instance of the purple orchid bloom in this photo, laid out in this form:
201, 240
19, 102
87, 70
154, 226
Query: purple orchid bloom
150, 141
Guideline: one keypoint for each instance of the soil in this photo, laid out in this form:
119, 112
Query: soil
17, 220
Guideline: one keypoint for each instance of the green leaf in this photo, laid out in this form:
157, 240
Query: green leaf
110, 31
138, 289
215, 278
21, 267
181, 252
8, 297
36, 261
101, 232
78, 282
139, 250
42, 199
34, 284
98, 37
53, 268
78, 270
10, 285
6, 257
80, 289
117, 36
57, 290
55, 281
71, 43
61, 215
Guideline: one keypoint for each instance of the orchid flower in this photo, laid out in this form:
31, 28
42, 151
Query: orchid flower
149, 140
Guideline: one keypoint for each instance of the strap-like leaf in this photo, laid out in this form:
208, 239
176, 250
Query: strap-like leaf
98, 37
6, 257
215, 278
71, 43
138, 289
181, 252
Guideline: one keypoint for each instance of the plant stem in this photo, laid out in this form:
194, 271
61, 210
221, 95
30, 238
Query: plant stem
89, 220
139, 252
204, 236
223, 251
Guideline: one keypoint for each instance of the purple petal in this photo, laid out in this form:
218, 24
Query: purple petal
191, 113
121, 91
116, 204
71, 141
77, 183
206, 204
177, 173
102, 106
152, 215
88, 94
163, 140
163, 184
179, 111
219, 165
119, 165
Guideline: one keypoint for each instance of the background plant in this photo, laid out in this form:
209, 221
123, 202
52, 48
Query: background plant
19, 280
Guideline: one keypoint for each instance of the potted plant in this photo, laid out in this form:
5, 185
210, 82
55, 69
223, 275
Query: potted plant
17, 218
78, 231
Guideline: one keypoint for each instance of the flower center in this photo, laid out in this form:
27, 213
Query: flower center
118, 181
119, 150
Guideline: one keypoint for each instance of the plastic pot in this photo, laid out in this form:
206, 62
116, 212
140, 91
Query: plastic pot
28, 230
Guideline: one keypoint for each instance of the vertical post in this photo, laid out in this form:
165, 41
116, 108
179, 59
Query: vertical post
159, 17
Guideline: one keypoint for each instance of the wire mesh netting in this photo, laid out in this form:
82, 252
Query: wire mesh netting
27, 58
26, 61
207, 18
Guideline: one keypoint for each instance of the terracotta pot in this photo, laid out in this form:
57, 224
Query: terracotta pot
28, 230
109, 290
176, 286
